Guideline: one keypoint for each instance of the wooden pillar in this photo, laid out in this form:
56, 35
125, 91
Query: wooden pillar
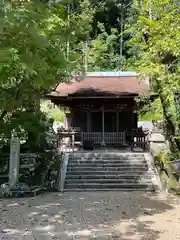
117, 121
134, 119
134, 115
88, 116
103, 142
69, 120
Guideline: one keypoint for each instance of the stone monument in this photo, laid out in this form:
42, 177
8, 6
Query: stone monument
14, 161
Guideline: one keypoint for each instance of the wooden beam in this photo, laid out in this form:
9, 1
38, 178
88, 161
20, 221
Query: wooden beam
100, 97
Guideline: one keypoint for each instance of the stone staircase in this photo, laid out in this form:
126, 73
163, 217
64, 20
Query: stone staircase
94, 171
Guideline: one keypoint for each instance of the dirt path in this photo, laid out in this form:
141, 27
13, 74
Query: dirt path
101, 216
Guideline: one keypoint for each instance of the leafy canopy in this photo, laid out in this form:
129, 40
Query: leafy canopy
33, 53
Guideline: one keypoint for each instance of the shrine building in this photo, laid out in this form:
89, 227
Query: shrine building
102, 105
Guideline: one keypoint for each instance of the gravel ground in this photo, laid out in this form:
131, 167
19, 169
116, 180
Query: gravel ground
101, 216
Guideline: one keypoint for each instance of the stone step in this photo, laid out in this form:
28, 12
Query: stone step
109, 176
81, 172
108, 164
74, 162
107, 168
129, 189
102, 158
105, 154
108, 181
107, 186
108, 172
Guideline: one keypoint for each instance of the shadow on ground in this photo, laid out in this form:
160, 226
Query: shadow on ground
110, 215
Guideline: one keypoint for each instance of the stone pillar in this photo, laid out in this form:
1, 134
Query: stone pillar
103, 142
14, 161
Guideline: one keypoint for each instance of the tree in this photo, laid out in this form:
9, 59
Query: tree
104, 48
156, 37
33, 55
102, 54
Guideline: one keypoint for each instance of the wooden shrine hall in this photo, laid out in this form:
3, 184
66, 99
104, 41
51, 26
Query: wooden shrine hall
101, 105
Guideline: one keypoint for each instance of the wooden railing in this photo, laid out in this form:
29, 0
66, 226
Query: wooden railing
67, 140
115, 138
110, 138
139, 140
95, 137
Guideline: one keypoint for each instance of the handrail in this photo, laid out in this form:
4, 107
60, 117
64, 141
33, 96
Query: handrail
63, 171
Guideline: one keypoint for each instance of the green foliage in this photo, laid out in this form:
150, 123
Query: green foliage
151, 111
167, 171
165, 157
103, 55
52, 111
157, 44
156, 54
148, 116
34, 57
108, 20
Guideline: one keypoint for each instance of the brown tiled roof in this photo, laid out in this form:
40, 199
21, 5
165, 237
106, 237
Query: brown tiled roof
104, 85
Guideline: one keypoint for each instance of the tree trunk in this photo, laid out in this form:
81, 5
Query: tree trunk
177, 107
170, 124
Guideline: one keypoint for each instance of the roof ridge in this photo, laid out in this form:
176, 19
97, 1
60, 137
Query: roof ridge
112, 74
